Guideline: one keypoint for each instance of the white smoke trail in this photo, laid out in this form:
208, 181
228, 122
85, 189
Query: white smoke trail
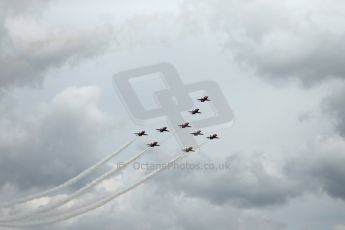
86, 209
67, 183
103, 177
75, 194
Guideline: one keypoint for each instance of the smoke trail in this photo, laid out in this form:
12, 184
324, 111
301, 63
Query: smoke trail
96, 181
75, 194
85, 209
95, 205
69, 182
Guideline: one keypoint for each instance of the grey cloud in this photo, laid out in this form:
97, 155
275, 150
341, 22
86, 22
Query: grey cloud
28, 66
255, 182
148, 209
51, 143
334, 105
30, 46
303, 40
321, 167
339, 227
248, 183
26, 54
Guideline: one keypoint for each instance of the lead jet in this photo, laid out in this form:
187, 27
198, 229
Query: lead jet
153, 144
189, 149
185, 125
203, 99
195, 111
141, 133
213, 136
162, 130
197, 133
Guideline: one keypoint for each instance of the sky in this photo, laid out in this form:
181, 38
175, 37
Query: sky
279, 65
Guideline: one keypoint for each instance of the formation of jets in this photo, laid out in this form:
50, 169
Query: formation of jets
183, 126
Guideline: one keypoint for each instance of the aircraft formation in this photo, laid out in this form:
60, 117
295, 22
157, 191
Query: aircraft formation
182, 126
49, 214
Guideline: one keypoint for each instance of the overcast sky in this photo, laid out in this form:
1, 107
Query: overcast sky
278, 63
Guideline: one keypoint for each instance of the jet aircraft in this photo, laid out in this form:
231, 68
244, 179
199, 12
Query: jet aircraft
203, 99
197, 133
163, 129
213, 136
153, 144
189, 149
195, 111
141, 133
185, 125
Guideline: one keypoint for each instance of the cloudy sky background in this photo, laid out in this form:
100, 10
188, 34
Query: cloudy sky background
280, 65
